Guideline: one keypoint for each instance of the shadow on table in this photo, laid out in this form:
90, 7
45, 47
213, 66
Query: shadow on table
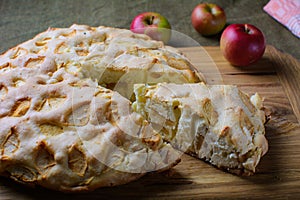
149, 186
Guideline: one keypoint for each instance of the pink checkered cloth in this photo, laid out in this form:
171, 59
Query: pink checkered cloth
287, 12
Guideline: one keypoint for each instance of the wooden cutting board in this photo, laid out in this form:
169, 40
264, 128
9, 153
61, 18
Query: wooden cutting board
276, 77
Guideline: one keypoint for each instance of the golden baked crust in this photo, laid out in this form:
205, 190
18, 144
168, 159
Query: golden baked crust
71, 135
217, 123
115, 58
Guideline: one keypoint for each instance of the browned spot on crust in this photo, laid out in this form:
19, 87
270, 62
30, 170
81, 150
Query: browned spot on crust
21, 173
98, 39
50, 129
72, 68
82, 52
6, 67
34, 62
246, 100
42, 42
107, 112
80, 44
3, 91
19, 52
69, 34
44, 158
225, 131
21, 107
61, 48
51, 103
18, 82
77, 160
178, 63
152, 141
11, 143
208, 111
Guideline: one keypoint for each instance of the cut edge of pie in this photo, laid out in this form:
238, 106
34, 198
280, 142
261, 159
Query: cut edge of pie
218, 123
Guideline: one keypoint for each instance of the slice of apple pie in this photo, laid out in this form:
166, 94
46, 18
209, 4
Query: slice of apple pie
218, 123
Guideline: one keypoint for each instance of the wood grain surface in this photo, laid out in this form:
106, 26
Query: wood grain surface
276, 77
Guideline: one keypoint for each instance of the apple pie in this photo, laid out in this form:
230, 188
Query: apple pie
67, 121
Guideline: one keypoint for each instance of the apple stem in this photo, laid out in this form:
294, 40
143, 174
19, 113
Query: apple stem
150, 20
208, 8
247, 30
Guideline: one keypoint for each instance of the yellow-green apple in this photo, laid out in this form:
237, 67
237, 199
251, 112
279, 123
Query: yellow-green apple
242, 44
208, 19
153, 24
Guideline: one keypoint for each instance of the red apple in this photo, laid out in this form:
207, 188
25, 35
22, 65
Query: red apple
242, 44
208, 18
153, 24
